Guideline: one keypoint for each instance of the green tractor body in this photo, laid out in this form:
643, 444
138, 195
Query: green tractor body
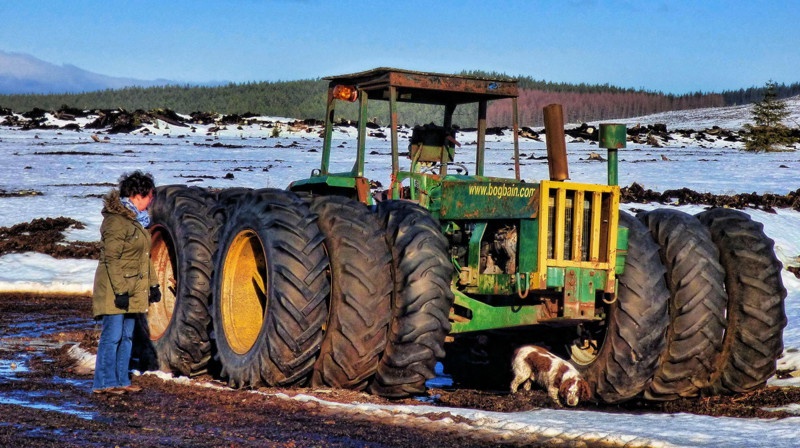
333, 283
524, 253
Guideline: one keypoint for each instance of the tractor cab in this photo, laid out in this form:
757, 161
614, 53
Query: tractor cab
430, 155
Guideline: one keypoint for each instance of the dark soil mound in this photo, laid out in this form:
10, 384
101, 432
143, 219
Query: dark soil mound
45, 235
767, 202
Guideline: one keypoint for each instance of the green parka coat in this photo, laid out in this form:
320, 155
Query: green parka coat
124, 264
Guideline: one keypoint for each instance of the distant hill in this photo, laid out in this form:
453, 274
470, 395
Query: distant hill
24, 79
24, 74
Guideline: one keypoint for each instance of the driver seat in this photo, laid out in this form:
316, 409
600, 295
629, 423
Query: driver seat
429, 143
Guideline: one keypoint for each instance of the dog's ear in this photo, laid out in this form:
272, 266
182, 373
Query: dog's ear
563, 389
558, 378
584, 391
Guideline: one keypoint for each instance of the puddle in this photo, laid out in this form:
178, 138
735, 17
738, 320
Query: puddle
78, 384
11, 367
50, 398
15, 358
65, 408
24, 329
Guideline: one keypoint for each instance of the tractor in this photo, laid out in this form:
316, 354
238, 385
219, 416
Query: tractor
334, 283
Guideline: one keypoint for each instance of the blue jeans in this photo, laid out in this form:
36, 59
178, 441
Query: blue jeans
114, 351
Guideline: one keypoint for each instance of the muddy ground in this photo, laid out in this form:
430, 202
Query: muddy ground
49, 403
46, 401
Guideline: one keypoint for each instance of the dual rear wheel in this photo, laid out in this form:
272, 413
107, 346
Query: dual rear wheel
753, 339
697, 302
699, 311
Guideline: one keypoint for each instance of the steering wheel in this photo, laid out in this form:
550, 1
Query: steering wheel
433, 168
462, 166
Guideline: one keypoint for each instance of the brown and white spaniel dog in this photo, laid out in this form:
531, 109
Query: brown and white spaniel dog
560, 378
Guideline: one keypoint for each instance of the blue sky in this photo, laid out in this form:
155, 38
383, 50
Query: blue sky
669, 46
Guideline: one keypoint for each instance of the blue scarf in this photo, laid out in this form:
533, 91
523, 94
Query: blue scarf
142, 216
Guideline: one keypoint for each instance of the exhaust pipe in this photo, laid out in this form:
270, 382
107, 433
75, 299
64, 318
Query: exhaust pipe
613, 137
556, 142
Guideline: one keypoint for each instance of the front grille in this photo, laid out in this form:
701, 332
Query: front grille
577, 222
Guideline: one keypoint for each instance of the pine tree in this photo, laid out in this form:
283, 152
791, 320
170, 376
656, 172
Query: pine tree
769, 132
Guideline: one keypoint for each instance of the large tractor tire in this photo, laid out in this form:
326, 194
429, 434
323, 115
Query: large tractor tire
756, 315
182, 232
422, 299
696, 307
270, 290
622, 355
359, 308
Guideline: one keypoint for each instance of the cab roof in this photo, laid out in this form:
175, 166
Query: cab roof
426, 87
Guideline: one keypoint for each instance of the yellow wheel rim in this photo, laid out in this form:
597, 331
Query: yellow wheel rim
585, 353
159, 314
243, 295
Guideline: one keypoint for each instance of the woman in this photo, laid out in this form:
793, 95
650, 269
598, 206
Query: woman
125, 281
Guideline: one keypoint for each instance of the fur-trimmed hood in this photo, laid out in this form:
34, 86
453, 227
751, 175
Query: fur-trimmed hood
112, 204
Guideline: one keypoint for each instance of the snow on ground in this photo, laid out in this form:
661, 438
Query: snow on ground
732, 118
72, 171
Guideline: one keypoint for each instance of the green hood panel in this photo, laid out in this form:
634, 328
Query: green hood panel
488, 198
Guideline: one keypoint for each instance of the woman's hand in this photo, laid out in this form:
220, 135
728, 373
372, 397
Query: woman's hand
122, 301
155, 294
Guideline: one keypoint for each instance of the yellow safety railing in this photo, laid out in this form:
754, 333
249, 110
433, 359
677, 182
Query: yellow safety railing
575, 225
